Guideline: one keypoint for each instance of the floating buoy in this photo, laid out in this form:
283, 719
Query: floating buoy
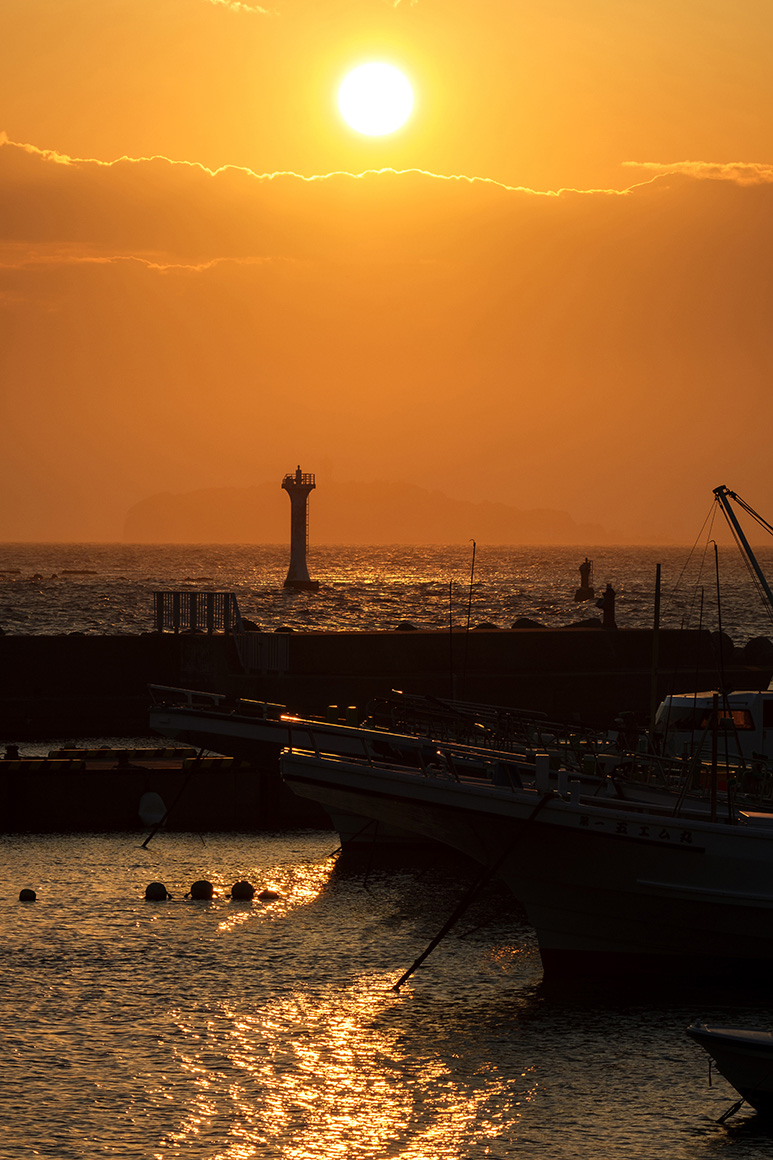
27, 895
243, 890
201, 889
269, 895
156, 892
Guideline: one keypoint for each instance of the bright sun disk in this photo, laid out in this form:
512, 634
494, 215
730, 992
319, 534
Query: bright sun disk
375, 98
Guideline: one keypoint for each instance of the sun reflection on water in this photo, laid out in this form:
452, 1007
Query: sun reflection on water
327, 1075
294, 884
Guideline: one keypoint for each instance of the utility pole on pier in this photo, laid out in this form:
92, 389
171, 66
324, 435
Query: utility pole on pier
298, 486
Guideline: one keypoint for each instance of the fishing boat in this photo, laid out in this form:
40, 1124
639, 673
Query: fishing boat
610, 885
251, 729
410, 730
744, 1058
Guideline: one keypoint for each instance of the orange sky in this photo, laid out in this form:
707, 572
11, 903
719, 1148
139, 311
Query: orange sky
551, 288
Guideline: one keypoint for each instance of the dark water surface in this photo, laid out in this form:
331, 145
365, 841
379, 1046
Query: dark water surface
228, 1031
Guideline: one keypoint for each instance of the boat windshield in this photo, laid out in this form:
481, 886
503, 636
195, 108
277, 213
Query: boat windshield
695, 719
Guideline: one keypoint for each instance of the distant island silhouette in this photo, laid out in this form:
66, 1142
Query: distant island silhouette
349, 513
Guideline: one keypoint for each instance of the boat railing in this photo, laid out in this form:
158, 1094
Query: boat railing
306, 737
171, 695
443, 763
497, 727
416, 755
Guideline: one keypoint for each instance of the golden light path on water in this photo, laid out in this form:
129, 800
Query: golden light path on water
268, 1030
323, 1072
333, 1083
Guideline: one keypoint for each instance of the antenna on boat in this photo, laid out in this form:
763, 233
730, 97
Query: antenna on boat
469, 614
472, 578
655, 652
451, 635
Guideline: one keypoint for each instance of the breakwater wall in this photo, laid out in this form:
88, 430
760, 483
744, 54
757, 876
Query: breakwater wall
583, 675
78, 686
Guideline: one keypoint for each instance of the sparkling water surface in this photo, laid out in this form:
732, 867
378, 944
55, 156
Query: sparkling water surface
230, 1030
108, 588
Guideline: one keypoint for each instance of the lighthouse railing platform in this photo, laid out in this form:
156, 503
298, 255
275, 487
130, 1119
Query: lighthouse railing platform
300, 479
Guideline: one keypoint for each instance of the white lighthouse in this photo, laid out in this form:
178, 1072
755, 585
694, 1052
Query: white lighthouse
298, 485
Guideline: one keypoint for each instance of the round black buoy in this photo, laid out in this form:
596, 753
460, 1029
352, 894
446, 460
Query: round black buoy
243, 890
156, 892
269, 895
27, 895
201, 889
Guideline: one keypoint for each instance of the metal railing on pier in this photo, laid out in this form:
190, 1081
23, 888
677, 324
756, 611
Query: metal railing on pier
218, 612
196, 612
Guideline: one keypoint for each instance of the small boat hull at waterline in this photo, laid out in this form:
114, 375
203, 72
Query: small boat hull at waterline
744, 1058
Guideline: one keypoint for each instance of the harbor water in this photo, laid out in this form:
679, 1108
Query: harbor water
270, 1029
230, 1030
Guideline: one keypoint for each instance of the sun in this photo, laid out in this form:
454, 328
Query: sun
375, 98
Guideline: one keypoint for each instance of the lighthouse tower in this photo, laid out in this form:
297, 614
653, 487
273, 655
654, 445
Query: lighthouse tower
298, 485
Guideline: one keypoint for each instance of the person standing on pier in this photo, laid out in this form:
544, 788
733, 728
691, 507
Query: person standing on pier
607, 606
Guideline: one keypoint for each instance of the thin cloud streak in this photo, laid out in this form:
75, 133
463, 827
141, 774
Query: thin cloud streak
739, 172
66, 257
461, 178
240, 6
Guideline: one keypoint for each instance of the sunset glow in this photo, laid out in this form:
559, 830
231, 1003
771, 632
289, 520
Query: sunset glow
537, 280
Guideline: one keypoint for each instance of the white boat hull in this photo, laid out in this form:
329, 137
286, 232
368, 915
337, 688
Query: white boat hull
605, 887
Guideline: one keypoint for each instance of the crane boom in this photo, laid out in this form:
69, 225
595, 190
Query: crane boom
724, 495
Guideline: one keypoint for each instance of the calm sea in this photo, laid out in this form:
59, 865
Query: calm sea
232, 1031
237, 1031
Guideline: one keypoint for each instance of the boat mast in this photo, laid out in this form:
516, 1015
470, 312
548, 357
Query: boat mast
724, 495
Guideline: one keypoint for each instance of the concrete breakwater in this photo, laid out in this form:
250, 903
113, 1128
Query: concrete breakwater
81, 686
77, 686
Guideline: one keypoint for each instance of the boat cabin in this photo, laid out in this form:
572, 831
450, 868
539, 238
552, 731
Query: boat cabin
743, 722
